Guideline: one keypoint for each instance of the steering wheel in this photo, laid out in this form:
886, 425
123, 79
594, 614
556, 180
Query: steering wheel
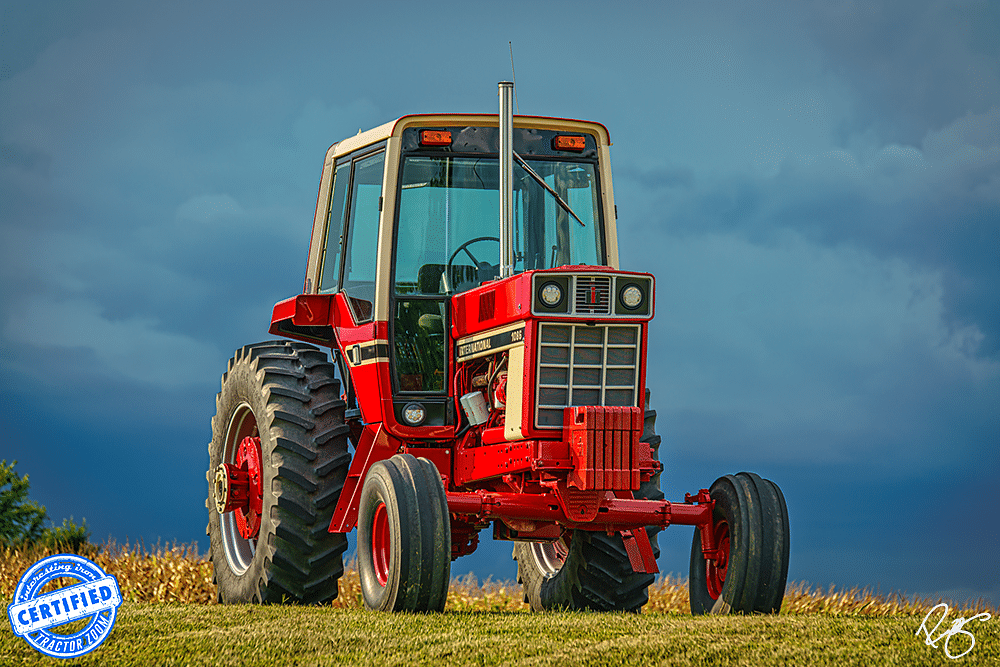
482, 268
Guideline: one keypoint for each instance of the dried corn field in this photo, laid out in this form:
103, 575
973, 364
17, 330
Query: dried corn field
173, 574
180, 574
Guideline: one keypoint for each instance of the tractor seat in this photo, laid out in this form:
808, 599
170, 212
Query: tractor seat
430, 277
431, 323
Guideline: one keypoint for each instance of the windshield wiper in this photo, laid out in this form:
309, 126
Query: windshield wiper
548, 188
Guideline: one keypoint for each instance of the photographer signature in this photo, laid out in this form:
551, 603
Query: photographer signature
955, 629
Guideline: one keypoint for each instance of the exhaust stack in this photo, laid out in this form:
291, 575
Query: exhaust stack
506, 90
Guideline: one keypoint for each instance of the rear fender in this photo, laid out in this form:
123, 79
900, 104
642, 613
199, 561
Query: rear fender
306, 317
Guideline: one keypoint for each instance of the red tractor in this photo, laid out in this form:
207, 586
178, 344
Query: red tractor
476, 387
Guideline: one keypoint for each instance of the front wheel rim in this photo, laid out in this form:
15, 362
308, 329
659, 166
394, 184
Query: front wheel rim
715, 570
381, 544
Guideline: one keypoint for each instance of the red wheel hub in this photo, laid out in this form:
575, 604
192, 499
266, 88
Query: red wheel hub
381, 544
248, 458
715, 570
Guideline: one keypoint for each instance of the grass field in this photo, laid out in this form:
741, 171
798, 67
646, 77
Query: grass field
169, 617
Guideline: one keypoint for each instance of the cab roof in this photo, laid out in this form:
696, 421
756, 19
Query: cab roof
396, 127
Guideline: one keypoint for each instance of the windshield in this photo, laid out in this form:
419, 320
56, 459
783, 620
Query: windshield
449, 209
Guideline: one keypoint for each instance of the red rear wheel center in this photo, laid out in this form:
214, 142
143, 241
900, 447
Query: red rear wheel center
381, 544
248, 457
715, 570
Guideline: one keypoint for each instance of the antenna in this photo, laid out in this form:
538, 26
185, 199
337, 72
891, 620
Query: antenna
513, 78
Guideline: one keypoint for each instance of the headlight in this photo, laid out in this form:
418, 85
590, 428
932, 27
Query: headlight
632, 297
551, 295
414, 414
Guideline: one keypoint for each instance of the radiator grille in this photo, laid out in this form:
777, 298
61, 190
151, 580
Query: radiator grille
593, 295
584, 365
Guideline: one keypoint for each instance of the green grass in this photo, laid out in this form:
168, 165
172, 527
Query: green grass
217, 635
170, 617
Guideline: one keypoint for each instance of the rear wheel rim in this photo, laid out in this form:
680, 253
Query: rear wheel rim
239, 550
381, 544
550, 556
715, 570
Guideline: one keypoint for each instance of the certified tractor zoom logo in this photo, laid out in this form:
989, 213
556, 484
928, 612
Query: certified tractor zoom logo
36, 616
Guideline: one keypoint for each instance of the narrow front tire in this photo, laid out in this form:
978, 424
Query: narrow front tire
750, 526
404, 536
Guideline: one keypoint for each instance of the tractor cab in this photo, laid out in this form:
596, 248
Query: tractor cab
407, 220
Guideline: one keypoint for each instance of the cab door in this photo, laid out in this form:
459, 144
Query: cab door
348, 269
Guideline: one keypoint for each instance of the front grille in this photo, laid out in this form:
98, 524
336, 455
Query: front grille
584, 365
593, 295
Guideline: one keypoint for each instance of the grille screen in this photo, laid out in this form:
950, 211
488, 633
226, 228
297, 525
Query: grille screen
585, 365
593, 295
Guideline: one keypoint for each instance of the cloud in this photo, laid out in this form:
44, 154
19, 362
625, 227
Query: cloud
967, 152
793, 337
158, 208
914, 66
934, 204
948, 163
137, 348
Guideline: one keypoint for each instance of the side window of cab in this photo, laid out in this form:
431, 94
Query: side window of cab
329, 280
352, 233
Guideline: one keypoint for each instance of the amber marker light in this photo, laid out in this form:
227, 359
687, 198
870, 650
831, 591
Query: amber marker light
566, 143
435, 138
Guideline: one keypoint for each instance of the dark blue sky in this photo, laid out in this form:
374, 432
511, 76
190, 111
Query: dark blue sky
816, 186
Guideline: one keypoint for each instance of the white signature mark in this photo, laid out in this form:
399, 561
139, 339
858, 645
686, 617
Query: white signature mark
955, 629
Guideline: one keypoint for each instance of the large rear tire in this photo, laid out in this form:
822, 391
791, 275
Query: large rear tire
590, 570
404, 536
750, 522
282, 401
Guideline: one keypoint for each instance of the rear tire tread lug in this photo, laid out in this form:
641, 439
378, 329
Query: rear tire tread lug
335, 431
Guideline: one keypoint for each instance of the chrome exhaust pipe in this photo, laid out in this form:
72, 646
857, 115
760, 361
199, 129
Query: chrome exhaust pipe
506, 92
